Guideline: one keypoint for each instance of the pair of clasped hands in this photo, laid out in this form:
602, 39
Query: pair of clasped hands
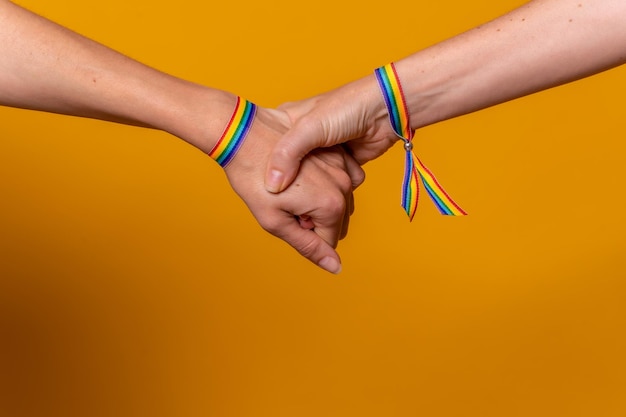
50, 68
300, 164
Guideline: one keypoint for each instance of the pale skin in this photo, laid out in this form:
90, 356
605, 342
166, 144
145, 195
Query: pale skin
542, 44
49, 68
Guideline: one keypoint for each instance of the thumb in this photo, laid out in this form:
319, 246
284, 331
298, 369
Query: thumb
310, 245
284, 160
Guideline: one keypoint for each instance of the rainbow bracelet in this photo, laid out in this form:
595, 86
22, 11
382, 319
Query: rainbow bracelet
414, 168
235, 133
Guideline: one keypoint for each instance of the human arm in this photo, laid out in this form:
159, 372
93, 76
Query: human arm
542, 44
49, 68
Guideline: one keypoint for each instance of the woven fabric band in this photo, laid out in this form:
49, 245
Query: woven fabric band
414, 168
235, 133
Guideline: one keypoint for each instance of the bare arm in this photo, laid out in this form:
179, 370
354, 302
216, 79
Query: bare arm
46, 67
540, 45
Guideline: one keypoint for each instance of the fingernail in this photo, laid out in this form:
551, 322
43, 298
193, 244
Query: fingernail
330, 264
274, 181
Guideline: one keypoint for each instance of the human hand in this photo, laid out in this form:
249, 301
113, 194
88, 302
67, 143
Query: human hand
313, 214
354, 114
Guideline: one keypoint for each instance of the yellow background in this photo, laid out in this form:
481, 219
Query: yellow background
135, 283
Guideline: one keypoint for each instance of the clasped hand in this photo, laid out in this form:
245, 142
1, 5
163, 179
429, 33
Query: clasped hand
296, 176
313, 213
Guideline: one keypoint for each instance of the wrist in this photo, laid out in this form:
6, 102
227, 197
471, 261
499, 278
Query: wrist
368, 111
234, 133
356, 114
436, 83
373, 106
207, 116
192, 112
419, 92
204, 117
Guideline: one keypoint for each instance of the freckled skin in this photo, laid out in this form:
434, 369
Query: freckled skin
498, 61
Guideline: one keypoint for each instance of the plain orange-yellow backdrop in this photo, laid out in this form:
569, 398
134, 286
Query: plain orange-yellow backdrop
135, 283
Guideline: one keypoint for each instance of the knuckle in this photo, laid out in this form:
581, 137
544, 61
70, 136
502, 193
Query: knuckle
358, 178
345, 183
284, 151
334, 204
270, 224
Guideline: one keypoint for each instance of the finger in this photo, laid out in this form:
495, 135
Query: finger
306, 222
310, 245
354, 170
351, 204
284, 161
329, 220
346, 217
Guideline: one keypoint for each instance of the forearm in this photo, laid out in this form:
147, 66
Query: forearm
46, 67
49, 68
540, 45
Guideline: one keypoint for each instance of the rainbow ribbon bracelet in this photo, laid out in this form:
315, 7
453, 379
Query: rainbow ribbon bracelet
414, 168
235, 133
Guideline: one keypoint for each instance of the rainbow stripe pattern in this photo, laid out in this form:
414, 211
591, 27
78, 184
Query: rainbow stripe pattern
235, 133
414, 168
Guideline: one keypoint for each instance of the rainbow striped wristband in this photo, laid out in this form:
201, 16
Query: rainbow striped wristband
414, 168
235, 133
